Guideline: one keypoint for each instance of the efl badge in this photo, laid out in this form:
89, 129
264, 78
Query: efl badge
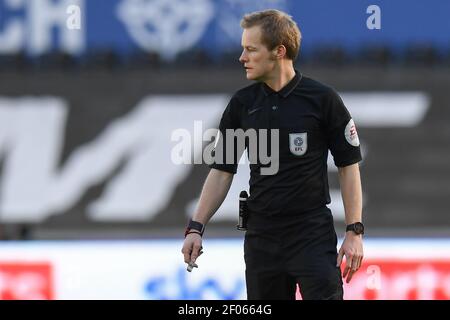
298, 143
350, 134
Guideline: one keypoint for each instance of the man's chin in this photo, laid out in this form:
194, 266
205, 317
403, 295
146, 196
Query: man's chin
251, 77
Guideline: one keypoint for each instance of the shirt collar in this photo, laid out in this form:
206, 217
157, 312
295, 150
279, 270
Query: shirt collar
287, 89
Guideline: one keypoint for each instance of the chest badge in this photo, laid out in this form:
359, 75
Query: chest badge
298, 143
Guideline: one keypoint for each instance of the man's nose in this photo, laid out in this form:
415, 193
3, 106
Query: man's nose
243, 58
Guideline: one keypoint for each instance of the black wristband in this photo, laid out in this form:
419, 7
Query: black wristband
194, 225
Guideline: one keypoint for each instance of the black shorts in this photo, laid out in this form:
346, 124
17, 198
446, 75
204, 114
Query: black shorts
281, 252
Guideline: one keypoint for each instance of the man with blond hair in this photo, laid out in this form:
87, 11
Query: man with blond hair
290, 237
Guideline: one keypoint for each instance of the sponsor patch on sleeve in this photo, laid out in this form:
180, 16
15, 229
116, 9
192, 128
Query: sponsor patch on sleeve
351, 135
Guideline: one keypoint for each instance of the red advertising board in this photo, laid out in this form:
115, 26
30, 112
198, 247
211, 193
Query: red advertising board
26, 281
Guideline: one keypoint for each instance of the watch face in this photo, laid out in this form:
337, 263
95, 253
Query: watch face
359, 228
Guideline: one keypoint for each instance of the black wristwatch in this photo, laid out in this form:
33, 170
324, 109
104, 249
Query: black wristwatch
194, 225
356, 227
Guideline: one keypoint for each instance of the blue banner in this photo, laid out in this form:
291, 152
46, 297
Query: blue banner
170, 27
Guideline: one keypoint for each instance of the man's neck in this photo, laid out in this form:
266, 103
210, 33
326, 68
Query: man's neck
281, 78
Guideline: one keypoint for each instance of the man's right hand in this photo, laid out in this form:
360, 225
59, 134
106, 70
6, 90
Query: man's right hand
192, 247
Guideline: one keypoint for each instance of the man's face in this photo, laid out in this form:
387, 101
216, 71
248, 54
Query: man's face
256, 58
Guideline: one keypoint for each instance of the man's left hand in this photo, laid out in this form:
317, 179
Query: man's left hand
352, 248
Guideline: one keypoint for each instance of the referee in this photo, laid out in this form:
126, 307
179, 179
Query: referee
290, 237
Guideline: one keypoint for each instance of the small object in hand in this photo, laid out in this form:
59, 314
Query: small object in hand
191, 266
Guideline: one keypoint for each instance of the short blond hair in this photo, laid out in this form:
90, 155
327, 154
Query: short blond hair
278, 28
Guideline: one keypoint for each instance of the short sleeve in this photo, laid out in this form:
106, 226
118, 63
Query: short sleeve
226, 155
342, 137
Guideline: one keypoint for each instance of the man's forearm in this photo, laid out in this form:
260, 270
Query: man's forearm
213, 194
350, 181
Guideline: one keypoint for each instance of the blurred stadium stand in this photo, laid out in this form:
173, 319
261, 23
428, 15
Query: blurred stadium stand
336, 56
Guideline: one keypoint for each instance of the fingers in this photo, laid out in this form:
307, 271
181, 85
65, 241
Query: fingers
348, 265
339, 258
352, 266
187, 254
352, 249
191, 264
192, 248
357, 263
350, 276
195, 252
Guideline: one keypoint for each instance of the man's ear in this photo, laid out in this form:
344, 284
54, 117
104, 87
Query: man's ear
280, 51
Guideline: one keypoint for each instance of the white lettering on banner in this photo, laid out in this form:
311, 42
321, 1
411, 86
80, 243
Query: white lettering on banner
166, 26
427, 281
45, 15
147, 183
373, 277
73, 22
374, 20
30, 151
34, 30
387, 109
13, 34
32, 190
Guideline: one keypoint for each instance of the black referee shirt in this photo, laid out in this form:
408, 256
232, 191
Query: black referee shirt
311, 119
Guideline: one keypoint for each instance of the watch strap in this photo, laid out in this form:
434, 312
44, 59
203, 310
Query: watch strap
354, 228
194, 225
